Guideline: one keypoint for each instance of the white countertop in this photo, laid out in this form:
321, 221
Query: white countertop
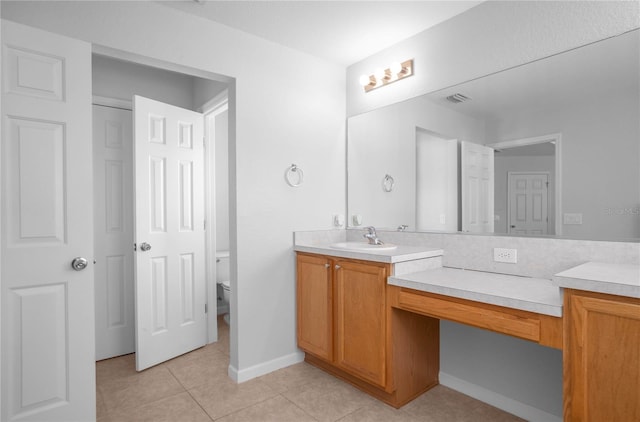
615, 279
399, 254
524, 293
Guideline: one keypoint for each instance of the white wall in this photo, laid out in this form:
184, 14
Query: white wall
276, 118
121, 80
490, 37
436, 182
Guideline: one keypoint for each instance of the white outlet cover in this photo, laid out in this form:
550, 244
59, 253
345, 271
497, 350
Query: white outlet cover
509, 256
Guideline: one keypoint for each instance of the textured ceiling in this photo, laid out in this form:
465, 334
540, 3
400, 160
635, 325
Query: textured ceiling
342, 32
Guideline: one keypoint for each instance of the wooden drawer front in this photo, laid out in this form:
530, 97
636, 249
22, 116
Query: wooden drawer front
477, 316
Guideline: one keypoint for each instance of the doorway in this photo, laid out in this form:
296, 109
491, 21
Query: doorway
534, 156
115, 81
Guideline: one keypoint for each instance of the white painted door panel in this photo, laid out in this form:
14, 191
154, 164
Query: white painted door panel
528, 203
113, 212
477, 174
48, 359
169, 216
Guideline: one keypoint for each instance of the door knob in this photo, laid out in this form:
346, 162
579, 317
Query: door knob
145, 247
79, 264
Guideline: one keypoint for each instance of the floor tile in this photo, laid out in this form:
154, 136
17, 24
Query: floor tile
195, 370
443, 404
118, 367
180, 407
277, 409
379, 412
142, 388
328, 400
294, 377
222, 396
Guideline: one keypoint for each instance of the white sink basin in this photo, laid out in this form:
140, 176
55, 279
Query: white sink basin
362, 246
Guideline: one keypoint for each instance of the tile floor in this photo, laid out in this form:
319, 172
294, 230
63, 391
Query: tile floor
195, 388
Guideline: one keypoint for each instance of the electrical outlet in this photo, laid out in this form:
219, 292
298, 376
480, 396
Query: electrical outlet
509, 256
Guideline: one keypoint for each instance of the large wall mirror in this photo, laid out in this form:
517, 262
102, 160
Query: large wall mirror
549, 148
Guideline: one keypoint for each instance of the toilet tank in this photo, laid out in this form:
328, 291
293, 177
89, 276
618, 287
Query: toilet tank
222, 266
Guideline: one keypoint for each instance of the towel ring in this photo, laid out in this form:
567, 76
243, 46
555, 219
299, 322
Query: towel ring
387, 183
294, 176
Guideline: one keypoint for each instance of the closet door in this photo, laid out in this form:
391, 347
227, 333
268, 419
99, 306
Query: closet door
48, 349
113, 211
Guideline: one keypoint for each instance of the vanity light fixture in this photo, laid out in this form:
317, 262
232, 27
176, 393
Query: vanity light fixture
382, 77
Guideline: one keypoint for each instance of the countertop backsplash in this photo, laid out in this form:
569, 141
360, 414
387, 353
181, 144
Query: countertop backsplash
537, 257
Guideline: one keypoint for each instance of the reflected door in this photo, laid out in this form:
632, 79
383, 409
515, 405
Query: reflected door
169, 217
477, 174
528, 203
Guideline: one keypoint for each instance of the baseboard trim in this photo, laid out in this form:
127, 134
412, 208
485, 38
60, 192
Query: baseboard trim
507, 404
255, 371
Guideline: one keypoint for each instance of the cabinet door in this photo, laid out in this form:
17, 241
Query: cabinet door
360, 320
315, 306
602, 368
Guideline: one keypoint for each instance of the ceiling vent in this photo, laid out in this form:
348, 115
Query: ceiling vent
458, 98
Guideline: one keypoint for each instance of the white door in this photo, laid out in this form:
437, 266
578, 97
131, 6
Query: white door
477, 174
113, 236
48, 346
169, 218
528, 203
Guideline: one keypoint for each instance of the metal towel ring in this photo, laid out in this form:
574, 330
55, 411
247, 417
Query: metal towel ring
294, 176
387, 183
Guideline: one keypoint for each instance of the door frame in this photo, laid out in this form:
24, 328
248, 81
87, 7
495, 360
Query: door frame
557, 139
209, 161
510, 174
210, 110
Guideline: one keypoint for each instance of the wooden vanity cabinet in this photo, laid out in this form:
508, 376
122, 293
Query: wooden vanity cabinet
315, 305
360, 323
341, 314
347, 326
602, 357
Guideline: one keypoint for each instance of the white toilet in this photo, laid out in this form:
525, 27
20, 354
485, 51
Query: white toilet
222, 280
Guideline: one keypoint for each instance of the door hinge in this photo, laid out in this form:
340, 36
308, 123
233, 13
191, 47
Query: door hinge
206, 308
205, 224
135, 247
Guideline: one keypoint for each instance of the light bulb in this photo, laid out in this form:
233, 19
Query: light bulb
364, 80
395, 68
379, 74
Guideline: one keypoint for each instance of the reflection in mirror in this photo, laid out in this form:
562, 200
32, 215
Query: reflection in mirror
566, 150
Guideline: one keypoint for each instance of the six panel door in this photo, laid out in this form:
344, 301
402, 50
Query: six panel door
48, 365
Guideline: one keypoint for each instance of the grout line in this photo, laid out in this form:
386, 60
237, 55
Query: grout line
292, 402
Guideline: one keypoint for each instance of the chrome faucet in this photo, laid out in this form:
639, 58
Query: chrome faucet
372, 236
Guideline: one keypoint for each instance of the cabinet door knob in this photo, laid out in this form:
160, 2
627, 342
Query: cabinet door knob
327, 265
337, 267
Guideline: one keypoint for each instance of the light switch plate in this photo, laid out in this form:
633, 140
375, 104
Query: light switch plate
572, 218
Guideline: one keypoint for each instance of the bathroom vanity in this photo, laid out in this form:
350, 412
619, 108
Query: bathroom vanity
372, 319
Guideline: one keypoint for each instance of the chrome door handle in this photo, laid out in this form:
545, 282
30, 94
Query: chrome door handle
79, 264
145, 247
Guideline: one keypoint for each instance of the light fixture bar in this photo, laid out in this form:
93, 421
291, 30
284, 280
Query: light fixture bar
388, 76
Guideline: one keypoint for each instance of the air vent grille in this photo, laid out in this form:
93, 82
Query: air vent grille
458, 98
